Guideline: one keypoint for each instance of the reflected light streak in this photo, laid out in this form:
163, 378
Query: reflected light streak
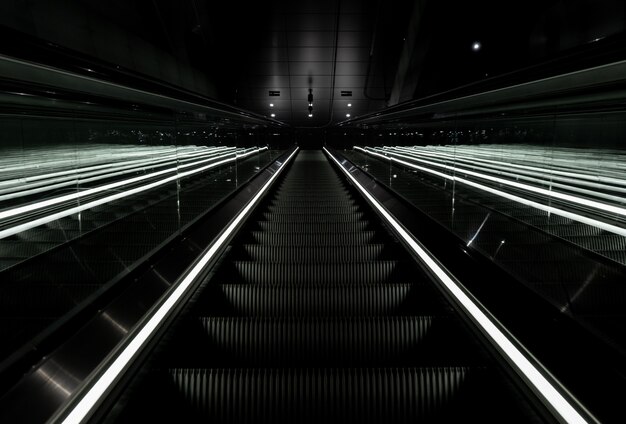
550, 209
478, 230
57, 385
73, 196
548, 193
114, 323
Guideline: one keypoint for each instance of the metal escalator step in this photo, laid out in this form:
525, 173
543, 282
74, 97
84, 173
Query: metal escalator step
308, 196
309, 217
356, 272
322, 239
320, 254
321, 395
332, 187
315, 299
307, 202
314, 227
313, 209
308, 341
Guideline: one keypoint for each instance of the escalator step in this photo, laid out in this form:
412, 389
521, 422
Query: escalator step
295, 239
314, 299
308, 202
321, 395
305, 341
321, 254
309, 217
308, 209
311, 197
314, 227
276, 273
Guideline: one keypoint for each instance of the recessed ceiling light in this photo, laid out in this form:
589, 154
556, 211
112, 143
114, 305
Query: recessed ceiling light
273, 115
347, 115
310, 115
349, 104
476, 46
271, 104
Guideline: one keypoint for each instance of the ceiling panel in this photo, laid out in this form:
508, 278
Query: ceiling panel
262, 92
357, 92
354, 39
298, 52
319, 93
349, 80
264, 103
352, 54
311, 54
312, 69
351, 68
311, 38
272, 39
269, 81
317, 81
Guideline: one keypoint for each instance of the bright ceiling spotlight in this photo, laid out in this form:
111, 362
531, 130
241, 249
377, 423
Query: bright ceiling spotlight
347, 115
273, 115
271, 104
349, 104
476, 46
310, 115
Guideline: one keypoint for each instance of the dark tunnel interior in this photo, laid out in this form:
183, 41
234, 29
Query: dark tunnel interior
313, 211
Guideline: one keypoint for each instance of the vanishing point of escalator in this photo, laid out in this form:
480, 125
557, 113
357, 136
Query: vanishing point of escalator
316, 314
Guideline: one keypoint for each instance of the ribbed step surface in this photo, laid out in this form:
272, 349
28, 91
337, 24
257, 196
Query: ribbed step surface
307, 217
300, 341
359, 272
315, 299
313, 227
319, 395
322, 239
319, 254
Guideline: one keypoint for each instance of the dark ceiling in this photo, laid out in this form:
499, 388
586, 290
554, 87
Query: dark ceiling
381, 52
322, 47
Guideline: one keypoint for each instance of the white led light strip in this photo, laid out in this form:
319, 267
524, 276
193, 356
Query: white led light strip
527, 187
535, 378
85, 406
70, 211
550, 209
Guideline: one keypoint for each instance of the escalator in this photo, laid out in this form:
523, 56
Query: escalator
317, 314
58, 268
576, 267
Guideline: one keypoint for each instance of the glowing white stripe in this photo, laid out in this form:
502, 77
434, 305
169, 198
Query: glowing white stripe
548, 193
115, 170
67, 212
481, 317
527, 173
86, 404
125, 167
92, 155
550, 209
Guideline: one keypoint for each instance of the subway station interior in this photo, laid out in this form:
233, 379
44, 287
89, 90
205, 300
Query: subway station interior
316, 211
